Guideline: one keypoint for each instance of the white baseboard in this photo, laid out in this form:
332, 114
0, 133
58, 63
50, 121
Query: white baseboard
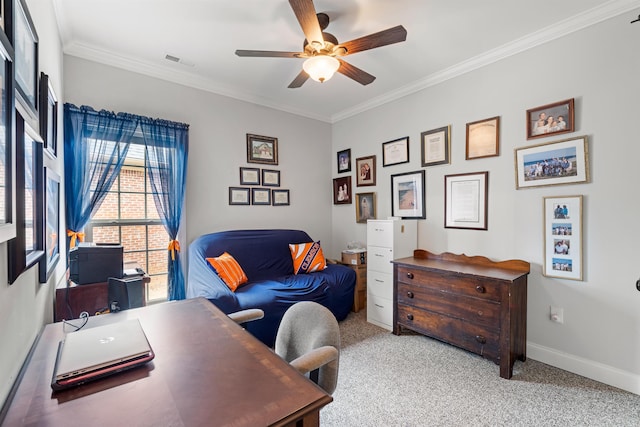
587, 368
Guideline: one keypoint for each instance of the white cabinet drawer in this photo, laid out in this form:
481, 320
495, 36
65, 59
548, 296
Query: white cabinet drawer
379, 259
380, 311
380, 284
380, 233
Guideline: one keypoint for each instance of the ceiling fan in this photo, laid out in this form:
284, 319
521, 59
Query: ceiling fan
323, 51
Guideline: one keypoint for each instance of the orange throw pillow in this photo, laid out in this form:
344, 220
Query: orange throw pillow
229, 270
307, 257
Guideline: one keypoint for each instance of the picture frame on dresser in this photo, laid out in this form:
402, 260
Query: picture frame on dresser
553, 163
466, 200
563, 237
408, 195
26, 57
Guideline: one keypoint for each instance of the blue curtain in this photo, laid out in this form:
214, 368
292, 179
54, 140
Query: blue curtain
167, 149
90, 173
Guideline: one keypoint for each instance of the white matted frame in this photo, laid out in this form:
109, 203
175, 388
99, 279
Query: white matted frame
563, 237
408, 195
553, 163
466, 197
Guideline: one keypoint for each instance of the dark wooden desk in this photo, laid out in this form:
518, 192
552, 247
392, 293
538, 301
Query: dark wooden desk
208, 371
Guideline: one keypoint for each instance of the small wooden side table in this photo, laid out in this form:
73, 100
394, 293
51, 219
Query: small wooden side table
360, 292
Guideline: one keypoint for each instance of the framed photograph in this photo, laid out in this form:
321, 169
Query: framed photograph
563, 237
280, 198
270, 178
249, 176
408, 195
7, 142
436, 146
52, 225
553, 163
395, 152
26, 52
260, 196
366, 169
551, 119
483, 138
466, 200
262, 149
27, 248
344, 160
342, 191
365, 207
239, 196
48, 116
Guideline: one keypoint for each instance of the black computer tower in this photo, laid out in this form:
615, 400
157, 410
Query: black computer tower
95, 263
125, 293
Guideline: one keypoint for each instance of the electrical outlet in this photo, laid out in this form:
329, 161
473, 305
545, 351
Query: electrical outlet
556, 314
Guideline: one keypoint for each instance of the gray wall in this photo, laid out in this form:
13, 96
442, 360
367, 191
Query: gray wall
599, 67
27, 305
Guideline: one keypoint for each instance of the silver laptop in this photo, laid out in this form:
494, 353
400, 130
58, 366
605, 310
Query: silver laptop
93, 353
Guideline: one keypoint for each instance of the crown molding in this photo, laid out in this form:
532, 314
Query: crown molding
575, 23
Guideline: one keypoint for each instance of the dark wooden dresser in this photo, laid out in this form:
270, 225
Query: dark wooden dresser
471, 302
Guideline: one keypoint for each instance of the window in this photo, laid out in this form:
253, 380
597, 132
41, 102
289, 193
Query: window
128, 216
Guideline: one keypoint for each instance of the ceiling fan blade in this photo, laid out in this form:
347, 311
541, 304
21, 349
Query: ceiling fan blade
270, 53
299, 80
306, 14
381, 38
355, 73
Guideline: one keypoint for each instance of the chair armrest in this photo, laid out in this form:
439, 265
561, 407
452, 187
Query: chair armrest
315, 359
248, 315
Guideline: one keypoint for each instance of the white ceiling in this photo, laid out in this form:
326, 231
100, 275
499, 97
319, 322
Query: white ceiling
445, 39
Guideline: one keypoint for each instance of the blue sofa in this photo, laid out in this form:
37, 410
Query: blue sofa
265, 258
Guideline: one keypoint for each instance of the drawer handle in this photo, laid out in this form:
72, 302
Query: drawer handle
410, 316
480, 289
410, 275
481, 339
410, 294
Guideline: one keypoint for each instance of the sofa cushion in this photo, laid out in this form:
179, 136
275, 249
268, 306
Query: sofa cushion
307, 257
229, 270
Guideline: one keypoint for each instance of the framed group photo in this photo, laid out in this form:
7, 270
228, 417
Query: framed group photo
466, 200
408, 195
551, 119
553, 163
563, 237
395, 152
436, 146
342, 190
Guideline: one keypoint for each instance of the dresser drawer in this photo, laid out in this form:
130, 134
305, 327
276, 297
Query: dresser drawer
380, 311
454, 283
380, 284
380, 259
477, 311
380, 233
475, 338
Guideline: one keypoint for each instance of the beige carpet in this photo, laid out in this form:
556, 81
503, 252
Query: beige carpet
411, 380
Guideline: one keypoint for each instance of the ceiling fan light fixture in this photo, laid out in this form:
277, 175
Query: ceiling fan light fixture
321, 68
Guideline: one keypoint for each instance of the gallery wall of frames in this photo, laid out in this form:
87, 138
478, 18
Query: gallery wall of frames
29, 194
